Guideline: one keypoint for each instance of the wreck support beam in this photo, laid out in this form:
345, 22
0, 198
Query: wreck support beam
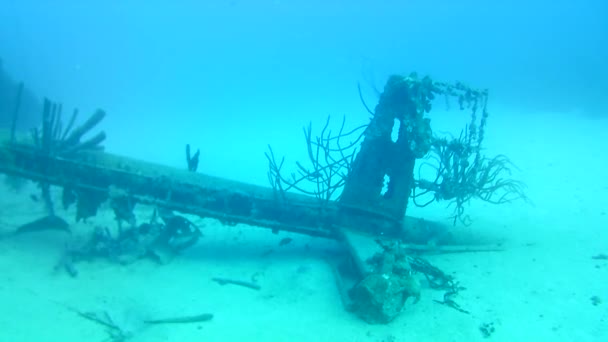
99, 174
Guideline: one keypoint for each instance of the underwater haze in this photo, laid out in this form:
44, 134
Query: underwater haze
221, 72
230, 77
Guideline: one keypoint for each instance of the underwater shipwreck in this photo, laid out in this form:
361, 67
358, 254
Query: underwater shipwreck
355, 188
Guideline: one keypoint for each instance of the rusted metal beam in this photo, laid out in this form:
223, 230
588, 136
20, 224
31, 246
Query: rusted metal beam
229, 201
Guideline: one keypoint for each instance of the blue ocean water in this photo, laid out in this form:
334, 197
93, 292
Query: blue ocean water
249, 67
231, 76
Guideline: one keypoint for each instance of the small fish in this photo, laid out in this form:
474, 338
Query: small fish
50, 222
285, 241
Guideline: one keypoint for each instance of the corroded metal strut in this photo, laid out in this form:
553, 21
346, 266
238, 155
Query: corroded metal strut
93, 174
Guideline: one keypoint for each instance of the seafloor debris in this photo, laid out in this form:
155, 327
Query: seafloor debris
160, 240
116, 331
119, 332
448, 300
247, 284
382, 293
182, 319
487, 329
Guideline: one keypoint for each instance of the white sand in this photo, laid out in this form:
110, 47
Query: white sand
539, 288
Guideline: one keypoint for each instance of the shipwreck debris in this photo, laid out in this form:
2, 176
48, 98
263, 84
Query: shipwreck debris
448, 300
381, 295
119, 332
159, 241
181, 319
356, 180
227, 281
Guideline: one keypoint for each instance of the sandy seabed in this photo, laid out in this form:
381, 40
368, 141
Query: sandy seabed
540, 287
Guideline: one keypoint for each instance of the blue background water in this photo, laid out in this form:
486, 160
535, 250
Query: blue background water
232, 76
